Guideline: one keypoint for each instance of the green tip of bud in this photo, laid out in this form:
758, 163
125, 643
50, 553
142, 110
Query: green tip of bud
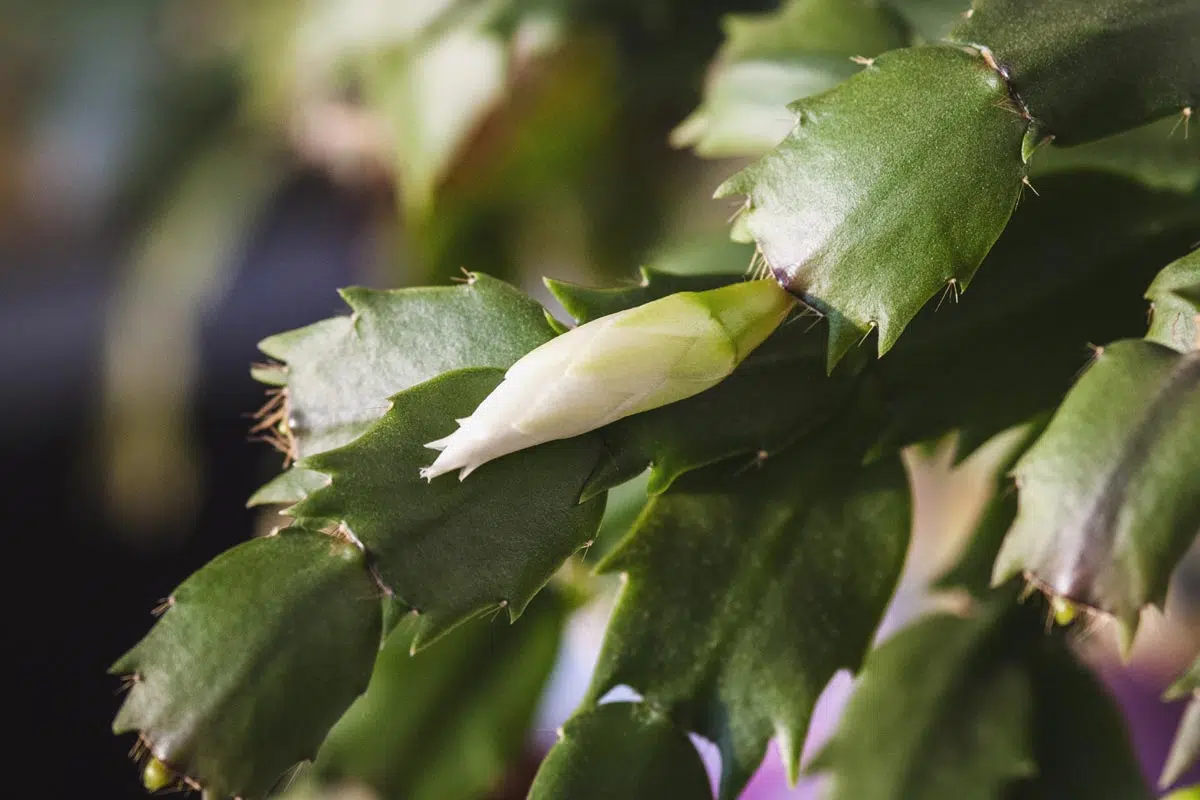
1064, 610
157, 775
749, 311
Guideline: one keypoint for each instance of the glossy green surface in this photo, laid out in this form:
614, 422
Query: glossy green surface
451, 549
747, 589
448, 721
1108, 494
219, 679
1090, 68
890, 187
1068, 272
340, 372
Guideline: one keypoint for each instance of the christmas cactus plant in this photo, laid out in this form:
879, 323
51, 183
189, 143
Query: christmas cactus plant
963, 220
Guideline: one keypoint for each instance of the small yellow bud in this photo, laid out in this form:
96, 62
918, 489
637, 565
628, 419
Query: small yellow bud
157, 775
1064, 610
622, 364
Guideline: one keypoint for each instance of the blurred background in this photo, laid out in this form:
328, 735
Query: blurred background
181, 178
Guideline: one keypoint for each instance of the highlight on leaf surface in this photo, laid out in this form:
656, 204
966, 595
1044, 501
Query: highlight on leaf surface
891, 187
1090, 68
622, 364
1109, 495
771, 60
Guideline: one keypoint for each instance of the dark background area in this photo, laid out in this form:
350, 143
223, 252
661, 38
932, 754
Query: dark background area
80, 595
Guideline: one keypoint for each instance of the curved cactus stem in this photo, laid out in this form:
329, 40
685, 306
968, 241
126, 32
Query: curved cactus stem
214, 686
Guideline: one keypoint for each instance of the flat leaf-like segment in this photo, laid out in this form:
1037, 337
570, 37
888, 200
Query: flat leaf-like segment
941, 711
1175, 304
890, 186
1185, 750
1110, 494
1089, 68
1080, 738
624, 750
447, 722
256, 657
451, 549
1069, 269
979, 708
770, 60
748, 590
340, 372
288, 487
777, 395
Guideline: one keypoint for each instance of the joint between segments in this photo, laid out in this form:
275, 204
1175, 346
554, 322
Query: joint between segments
1005, 75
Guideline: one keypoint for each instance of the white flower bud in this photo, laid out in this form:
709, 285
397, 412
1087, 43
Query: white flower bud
615, 366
